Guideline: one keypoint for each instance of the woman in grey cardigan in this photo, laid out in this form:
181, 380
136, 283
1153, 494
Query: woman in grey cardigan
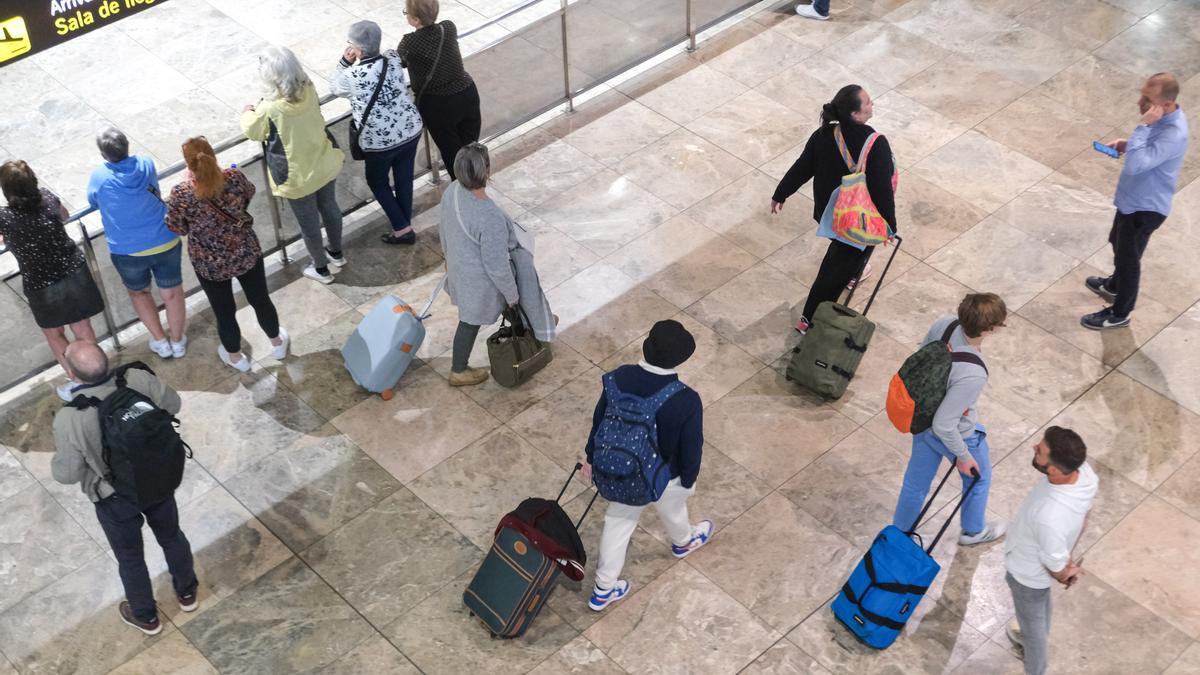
489, 262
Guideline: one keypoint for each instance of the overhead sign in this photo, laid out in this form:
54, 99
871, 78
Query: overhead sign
29, 26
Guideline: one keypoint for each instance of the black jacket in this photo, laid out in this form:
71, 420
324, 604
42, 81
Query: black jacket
822, 163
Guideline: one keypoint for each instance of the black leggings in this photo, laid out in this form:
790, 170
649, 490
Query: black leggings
453, 121
841, 265
224, 306
464, 342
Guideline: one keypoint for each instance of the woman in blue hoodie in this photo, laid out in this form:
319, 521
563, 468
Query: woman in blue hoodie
125, 191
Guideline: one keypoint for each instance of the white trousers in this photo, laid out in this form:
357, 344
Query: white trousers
621, 520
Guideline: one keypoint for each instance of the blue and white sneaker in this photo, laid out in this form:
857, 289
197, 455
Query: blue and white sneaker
1104, 320
601, 599
700, 536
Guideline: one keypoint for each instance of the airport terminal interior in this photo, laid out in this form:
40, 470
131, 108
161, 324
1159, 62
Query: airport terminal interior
335, 531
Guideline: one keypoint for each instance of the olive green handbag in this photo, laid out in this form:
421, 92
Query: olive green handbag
515, 354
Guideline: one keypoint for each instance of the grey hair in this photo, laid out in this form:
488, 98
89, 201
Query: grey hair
114, 146
473, 166
366, 35
282, 73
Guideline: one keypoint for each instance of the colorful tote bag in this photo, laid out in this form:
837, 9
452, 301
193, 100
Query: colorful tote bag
850, 216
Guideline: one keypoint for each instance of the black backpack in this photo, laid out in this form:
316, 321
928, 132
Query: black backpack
142, 448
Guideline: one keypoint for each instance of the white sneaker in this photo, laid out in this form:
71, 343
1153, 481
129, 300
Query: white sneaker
64, 391
336, 261
808, 12
242, 365
312, 273
162, 347
179, 349
285, 341
991, 532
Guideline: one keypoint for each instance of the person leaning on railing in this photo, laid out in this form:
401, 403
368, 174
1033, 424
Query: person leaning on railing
55, 276
302, 161
387, 124
446, 94
209, 208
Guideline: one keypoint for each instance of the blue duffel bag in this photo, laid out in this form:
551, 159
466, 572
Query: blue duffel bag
883, 591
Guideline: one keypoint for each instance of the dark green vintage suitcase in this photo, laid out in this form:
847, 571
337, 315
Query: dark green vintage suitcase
829, 354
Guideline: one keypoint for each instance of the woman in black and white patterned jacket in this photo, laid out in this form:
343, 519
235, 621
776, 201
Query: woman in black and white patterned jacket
391, 131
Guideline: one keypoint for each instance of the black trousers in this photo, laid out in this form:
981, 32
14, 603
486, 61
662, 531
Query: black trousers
1129, 235
842, 263
121, 520
453, 121
224, 306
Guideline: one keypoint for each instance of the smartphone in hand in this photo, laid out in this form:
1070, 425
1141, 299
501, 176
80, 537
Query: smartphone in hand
1101, 147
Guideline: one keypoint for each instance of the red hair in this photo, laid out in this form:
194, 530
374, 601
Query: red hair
207, 178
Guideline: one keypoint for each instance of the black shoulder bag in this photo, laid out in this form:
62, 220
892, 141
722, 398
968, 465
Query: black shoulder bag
356, 130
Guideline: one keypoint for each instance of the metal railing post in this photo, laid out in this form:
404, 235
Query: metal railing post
435, 176
691, 28
566, 57
89, 254
275, 217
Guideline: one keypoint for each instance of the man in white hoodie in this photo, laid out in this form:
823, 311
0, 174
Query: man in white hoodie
1042, 535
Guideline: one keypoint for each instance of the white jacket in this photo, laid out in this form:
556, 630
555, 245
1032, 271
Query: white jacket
394, 118
1046, 527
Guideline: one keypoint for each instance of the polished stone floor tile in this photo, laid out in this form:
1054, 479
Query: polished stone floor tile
198, 371
391, 557
72, 626
793, 427
475, 488
1062, 213
888, 54
196, 39
681, 260
753, 127
1059, 308
440, 637
1096, 171
1188, 662
1099, 89
315, 370
750, 53
813, 82
313, 489
1079, 23
819, 35
411, 433
740, 213
578, 657
936, 641
908, 306
1166, 271
40, 544
1158, 364
556, 167
1023, 54
1182, 489
997, 258
754, 311
710, 631
286, 621
913, 131
682, 168
682, 89
373, 266
558, 256
784, 658
172, 655
981, 171
991, 659
788, 543
610, 127
604, 212
1143, 50
374, 655
1040, 127
602, 310
951, 24
961, 90
163, 127
13, 476
930, 217
559, 424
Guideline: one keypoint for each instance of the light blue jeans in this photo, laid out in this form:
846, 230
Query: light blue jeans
923, 466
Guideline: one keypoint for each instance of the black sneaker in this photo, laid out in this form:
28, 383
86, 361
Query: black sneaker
407, 239
1104, 320
1099, 286
148, 627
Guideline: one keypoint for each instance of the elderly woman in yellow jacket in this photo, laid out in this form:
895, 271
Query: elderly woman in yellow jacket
301, 158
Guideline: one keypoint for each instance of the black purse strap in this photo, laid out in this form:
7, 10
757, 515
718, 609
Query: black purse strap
437, 58
374, 95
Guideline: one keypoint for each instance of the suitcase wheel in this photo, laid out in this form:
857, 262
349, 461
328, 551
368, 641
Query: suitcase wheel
387, 394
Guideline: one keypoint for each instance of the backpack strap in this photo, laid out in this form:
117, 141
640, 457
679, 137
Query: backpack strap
119, 371
657, 400
841, 144
611, 391
82, 402
866, 150
949, 331
968, 357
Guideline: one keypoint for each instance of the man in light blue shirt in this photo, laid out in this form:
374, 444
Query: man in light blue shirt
1153, 156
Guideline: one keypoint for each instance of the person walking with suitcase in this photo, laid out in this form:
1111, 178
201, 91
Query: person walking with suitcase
956, 433
1043, 534
117, 440
843, 127
645, 447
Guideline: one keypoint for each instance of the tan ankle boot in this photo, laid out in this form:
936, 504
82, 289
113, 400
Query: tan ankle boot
468, 377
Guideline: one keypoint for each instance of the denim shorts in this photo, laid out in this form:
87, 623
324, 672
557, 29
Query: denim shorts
136, 270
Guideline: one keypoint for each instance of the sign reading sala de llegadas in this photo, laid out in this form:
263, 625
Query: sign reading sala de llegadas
29, 26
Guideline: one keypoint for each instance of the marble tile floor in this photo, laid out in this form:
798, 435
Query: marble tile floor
335, 532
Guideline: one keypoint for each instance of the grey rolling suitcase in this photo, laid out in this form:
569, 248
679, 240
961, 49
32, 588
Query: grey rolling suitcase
380, 350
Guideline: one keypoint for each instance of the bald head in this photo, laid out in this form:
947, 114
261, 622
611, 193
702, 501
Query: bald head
87, 361
1165, 85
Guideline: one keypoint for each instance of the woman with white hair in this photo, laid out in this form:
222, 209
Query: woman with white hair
386, 126
301, 158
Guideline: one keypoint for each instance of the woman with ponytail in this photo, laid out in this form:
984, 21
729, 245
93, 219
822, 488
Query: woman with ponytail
210, 208
823, 163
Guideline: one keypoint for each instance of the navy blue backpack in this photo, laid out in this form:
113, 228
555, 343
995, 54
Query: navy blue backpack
627, 467
883, 591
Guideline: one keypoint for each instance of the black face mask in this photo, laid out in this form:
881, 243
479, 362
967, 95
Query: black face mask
1044, 468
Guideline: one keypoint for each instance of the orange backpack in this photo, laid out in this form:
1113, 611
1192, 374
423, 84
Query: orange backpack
917, 390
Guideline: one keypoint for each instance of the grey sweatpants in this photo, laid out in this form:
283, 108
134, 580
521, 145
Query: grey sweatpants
310, 210
1033, 615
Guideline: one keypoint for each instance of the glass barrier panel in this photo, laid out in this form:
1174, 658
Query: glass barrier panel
606, 37
709, 12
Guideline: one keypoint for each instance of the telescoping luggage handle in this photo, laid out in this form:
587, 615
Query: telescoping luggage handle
879, 282
912, 531
436, 292
578, 466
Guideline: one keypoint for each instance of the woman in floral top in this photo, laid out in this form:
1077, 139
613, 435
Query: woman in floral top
209, 207
54, 274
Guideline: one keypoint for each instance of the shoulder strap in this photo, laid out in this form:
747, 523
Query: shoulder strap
83, 402
458, 214
609, 380
660, 398
375, 94
866, 150
968, 357
436, 60
841, 144
119, 371
949, 331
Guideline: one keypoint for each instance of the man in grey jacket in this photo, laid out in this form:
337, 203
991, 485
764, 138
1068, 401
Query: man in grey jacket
956, 433
79, 458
